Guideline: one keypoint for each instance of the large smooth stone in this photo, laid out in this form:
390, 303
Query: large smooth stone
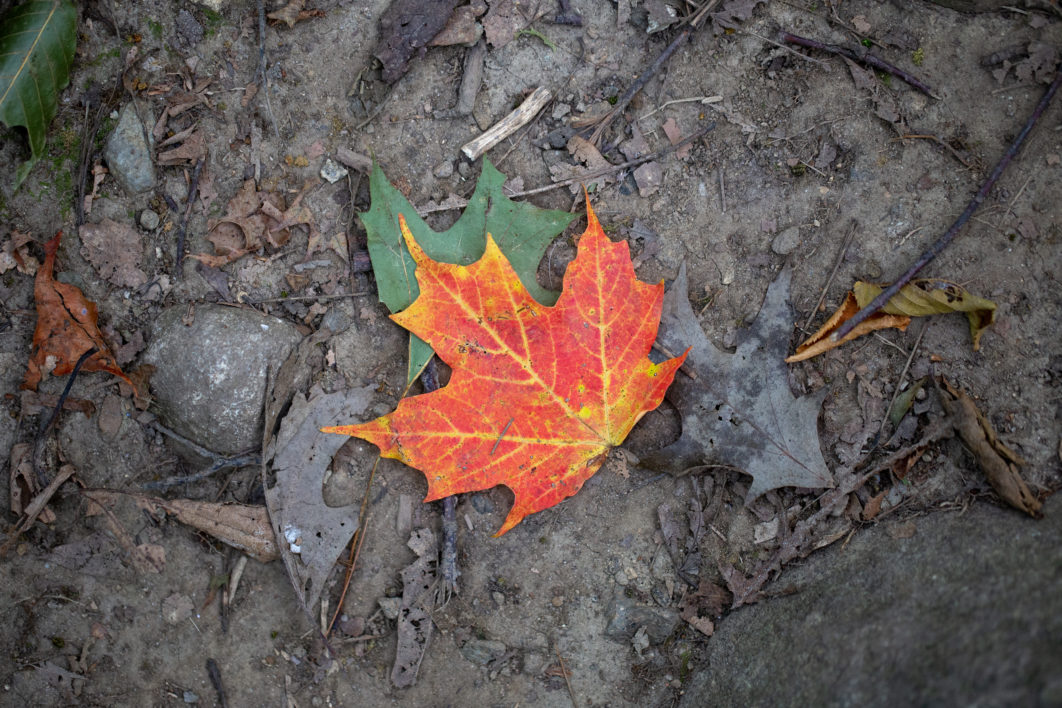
209, 381
965, 612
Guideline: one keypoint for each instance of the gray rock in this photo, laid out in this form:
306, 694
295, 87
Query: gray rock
444, 169
785, 242
128, 153
149, 220
483, 651
625, 617
965, 612
210, 375
189, 31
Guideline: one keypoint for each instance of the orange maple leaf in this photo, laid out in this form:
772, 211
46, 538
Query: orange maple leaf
539, 395
66, 328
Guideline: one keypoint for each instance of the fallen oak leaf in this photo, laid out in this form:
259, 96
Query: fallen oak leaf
918, 299
539, 395
66, 328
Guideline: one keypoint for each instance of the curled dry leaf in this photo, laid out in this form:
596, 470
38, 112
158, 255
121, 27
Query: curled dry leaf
239, 525
998, 461
918, 299
15, 254
294, 12
252, 220
66, 328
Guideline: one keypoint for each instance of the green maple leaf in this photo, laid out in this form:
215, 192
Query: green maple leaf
521, 230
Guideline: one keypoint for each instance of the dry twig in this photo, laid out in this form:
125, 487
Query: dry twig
975, 203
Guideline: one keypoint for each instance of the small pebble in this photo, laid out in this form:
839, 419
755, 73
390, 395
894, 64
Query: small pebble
444, 169
621, 578
190, 697
785, 242
463, 169
499, 598
332, 172
149, 220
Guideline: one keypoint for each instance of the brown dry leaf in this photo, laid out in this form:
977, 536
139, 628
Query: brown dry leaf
999, 462
114, 250
320, 242
190, 151
238, 525
242, 228
15, 254
66, 328
24, 485
278, 231
920, 298
699, 607
873, 506
293, 12
585, 153
820, 341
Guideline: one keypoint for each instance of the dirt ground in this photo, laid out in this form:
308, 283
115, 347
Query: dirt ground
801, 154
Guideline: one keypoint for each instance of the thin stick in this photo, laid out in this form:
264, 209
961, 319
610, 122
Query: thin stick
429, 377
355, 546
862, 56
38, 444
974, 204
215, 680
508, 125
299, 298
942, 143
262, 75
193, 188
706, 100
616, 168
501, 435
899, 382
833, 273
639, 83
722, 191
564, 673
219, 464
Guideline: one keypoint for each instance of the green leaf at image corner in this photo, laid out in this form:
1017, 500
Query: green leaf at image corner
521, 230
37, 42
